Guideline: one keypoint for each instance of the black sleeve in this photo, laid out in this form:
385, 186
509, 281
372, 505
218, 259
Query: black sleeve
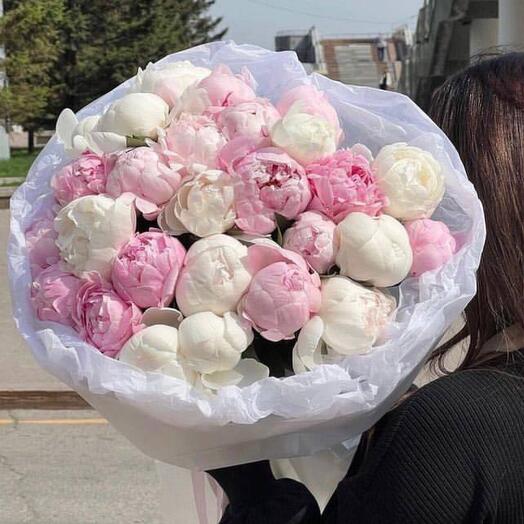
421, 466
256, 497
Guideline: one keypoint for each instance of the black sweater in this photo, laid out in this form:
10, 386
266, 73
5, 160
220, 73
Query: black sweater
451, 453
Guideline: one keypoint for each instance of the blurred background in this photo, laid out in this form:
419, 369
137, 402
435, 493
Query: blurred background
60, 462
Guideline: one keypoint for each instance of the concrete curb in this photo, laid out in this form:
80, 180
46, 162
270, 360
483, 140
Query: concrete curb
33, 399
11, 181
5, 194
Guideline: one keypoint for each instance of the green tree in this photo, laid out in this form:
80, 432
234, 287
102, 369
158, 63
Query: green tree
104, 43
65, 53
30, 33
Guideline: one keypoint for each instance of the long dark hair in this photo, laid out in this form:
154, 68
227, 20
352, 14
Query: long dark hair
481, 109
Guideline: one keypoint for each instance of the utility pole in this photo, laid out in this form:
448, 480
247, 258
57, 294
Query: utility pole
511, 23
5, 152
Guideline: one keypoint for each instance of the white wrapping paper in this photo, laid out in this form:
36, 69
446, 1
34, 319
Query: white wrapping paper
274, 418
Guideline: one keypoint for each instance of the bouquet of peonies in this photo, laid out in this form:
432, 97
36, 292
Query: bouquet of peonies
225, 239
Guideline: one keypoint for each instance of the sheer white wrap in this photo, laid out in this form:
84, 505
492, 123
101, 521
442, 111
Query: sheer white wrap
273, 418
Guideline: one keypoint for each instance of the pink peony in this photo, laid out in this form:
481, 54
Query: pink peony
40, 240
282, 295
313, 237
311, 101
53, 295
86, 175
266, 181
146, 269
343, 183
102, 318
192, 142
142, 173
223, 88
254, 118
432, 245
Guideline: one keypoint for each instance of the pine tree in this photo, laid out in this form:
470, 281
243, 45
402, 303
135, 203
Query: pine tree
29, 31
66, 53
104, 43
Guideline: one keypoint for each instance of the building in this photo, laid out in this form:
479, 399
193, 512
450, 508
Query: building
306, 45
368, 60
450, 32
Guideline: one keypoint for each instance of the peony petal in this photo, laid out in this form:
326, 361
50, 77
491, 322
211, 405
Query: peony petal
80, 144
146, 207
220, 379
362, 150
252, 371
65, 126
106, 142
162, 315
170, 225
306, 353
247, 372
264, 252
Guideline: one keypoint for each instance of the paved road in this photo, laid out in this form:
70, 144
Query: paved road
64, 467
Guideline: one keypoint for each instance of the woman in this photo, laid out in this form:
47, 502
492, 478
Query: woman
452, 452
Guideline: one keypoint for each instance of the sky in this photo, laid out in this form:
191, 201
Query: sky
257, 21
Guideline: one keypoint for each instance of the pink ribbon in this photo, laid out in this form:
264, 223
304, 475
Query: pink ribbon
198, 479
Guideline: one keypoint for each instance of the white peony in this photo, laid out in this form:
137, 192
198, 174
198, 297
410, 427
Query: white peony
246, 372
135, 115
169, 81
91, 230
350, 321
158, 350
77, 136
303, 136
204, 206
375, 250
210, 343
214, 276
155, 349
412, 180
353, 315
194, 101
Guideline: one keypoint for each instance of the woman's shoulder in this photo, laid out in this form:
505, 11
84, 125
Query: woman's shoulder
460, 395
467, 418
453, 445
483, 403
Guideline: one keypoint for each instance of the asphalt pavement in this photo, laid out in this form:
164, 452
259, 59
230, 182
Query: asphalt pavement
72, 467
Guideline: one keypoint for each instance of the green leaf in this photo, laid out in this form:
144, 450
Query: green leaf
136, 141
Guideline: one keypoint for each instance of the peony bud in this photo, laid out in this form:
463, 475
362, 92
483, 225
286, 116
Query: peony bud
53, 295
87, 175
374, 250
169, 81
214, 276
142, 173
432, 244
146, 269
210, 343
305, 137
203, 206
41, 244
91, 230
283, 293
155, 349
248, 119
313, 237
135, 115
411, 179
350, 321
102, 318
